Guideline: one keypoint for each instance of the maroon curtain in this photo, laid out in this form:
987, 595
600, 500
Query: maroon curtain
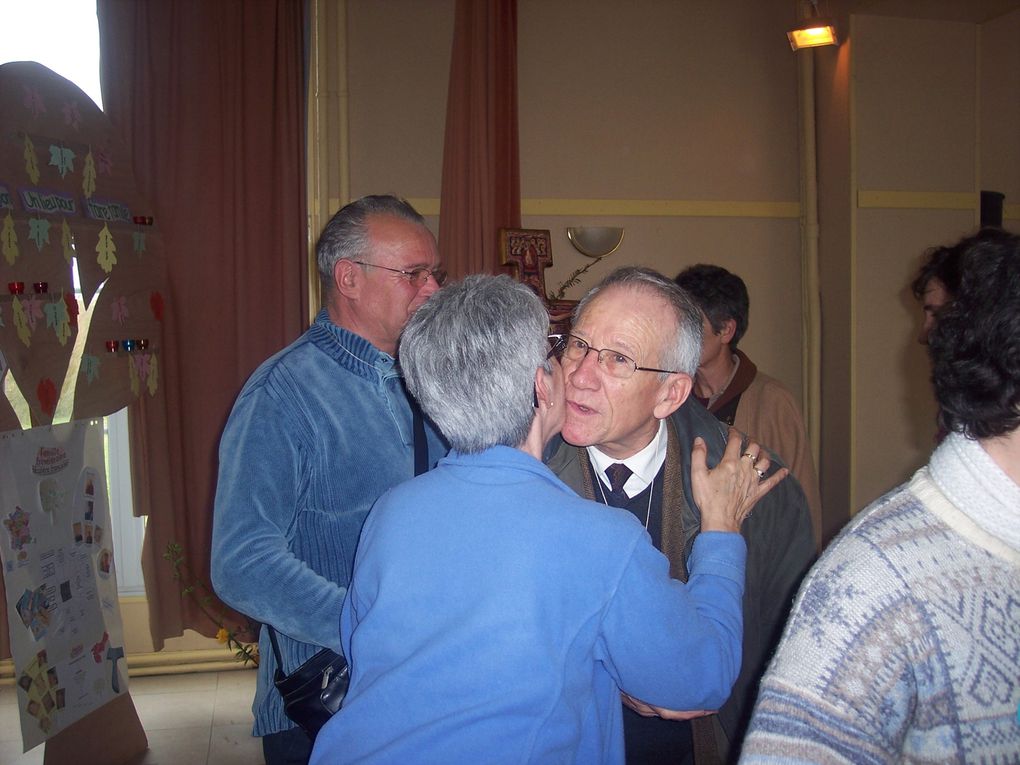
481, 172
210, 99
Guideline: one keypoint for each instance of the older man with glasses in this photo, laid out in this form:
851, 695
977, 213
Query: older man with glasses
628, 364
319, 431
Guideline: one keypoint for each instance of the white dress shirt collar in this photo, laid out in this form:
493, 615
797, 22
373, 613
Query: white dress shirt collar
644, 464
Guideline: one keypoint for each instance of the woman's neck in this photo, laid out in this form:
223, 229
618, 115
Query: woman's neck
1005, 452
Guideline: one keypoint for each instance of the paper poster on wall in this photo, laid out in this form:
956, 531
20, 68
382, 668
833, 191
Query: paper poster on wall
57, 555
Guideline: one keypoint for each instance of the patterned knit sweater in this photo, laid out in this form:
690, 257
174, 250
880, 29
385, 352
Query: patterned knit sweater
904, 642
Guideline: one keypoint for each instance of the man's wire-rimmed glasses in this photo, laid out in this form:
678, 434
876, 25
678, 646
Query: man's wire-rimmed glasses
616, 364
417, 276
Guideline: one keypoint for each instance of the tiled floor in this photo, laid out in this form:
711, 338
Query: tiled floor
195, 719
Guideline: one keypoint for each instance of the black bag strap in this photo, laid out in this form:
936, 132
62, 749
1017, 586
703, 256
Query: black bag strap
421, 444
276, 648
421, 465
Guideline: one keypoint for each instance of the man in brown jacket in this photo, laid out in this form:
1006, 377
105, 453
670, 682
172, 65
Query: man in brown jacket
732, 388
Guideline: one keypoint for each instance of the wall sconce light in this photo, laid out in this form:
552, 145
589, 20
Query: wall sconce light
813, 32
595, 241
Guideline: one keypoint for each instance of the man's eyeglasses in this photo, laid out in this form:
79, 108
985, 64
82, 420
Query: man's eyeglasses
616, 364
417, 276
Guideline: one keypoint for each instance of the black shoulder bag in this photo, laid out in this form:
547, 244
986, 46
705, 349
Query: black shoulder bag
313, 692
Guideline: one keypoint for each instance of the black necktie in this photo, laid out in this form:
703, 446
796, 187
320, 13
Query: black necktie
618, 473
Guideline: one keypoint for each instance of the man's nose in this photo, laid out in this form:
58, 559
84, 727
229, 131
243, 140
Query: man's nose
429, 287
926, 327
585, 373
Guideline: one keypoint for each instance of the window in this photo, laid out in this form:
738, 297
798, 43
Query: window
128, 531
60, 34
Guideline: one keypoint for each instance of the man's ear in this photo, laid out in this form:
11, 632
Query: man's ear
675, 390
728, 331
347, 277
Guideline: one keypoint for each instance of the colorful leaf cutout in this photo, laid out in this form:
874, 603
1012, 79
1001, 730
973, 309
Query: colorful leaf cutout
104, 163
152, 382
106, 249
90, 366
57, 319
46, 392
31, 161
9, 238
119, 309
72, 309
141, 362
39, 231
66, 240
21, 322
72, 116
139, 241
88, 179
133, 378
62, 158
51, 314
156, 304
33, 310
33, 101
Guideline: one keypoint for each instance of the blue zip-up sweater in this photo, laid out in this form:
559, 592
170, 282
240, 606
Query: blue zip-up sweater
319, 431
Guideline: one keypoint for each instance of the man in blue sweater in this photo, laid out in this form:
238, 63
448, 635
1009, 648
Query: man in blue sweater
319, 431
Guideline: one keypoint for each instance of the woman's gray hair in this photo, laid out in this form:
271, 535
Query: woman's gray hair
684, 353
346, 235
469, 356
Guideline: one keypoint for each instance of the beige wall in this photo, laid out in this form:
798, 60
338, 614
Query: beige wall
915, 106
832, 86
398, 63
999, 137
935, 120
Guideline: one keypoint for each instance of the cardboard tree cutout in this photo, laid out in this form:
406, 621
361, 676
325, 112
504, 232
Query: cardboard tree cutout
81, 314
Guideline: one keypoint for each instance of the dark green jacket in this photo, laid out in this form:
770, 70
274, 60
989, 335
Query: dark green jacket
780, 544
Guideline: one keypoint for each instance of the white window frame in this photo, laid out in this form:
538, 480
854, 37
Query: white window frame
128, 530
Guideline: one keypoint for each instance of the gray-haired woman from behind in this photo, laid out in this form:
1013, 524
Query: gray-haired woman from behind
495, 616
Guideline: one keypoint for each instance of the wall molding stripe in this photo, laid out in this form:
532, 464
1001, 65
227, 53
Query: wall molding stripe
918, 200
633, 208
161, 663
897, 200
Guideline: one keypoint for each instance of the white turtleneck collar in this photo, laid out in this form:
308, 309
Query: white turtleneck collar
978, 487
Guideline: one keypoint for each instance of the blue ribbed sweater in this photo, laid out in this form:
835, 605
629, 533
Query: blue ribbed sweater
318, 432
